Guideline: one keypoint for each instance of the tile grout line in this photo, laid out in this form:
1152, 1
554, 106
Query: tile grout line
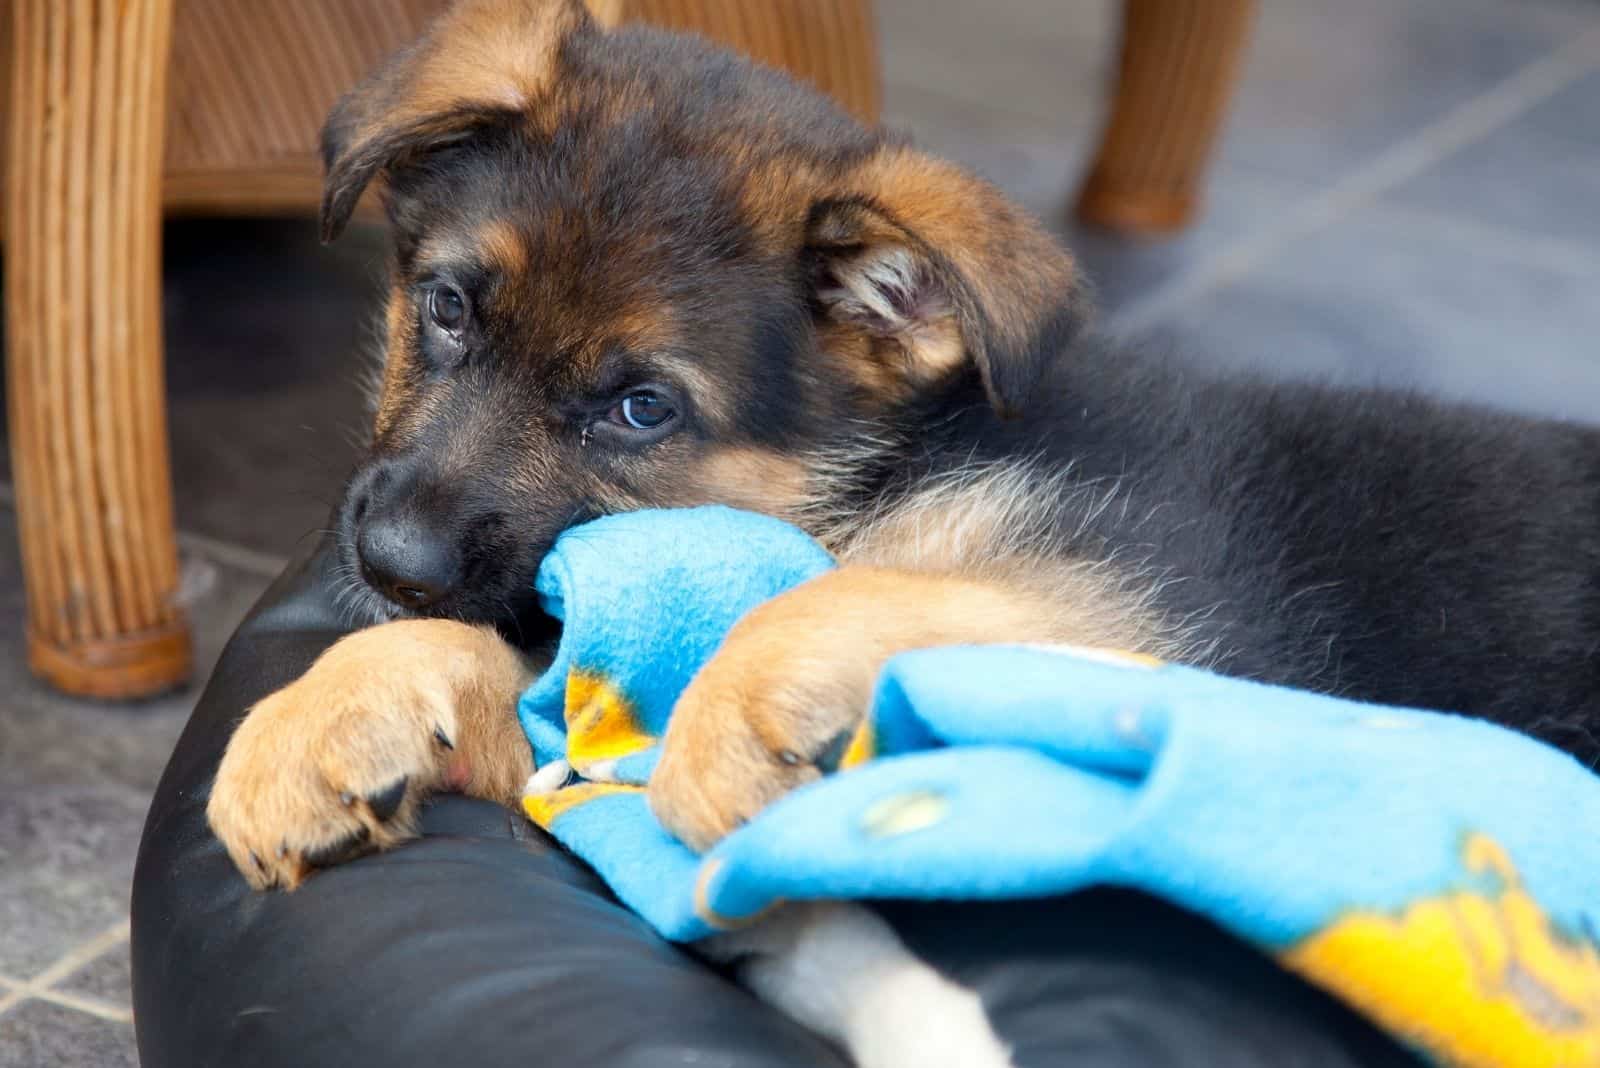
86, 1004
89, 1006
81, 955
1466, 124
1508, 241
13, 992
243, 558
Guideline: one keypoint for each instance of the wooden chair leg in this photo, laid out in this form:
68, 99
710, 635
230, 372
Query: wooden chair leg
829, 43
83, 345
1179, 62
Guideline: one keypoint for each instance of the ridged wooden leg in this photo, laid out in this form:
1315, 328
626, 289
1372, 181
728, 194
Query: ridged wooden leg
829, 43
83, 345
1180, 60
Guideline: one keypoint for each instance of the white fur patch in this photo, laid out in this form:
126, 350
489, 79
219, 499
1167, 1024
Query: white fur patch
841, 971
548, 779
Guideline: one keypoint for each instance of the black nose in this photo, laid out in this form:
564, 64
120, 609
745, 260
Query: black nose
408, 560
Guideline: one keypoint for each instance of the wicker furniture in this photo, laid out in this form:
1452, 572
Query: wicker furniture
83, 345
96, 147
1178, 65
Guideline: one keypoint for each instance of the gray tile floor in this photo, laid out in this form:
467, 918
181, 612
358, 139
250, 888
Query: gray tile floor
1406, 195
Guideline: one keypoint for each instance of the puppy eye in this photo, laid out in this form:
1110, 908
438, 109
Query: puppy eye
447, 308
643, 410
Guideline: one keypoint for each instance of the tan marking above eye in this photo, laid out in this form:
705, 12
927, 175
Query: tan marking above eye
502, 247
446, 249
645, 323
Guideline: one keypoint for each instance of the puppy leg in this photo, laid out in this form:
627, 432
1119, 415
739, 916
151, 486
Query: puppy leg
335, 763
776, 705
841, 970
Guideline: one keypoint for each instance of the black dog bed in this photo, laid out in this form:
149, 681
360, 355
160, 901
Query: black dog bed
485, 944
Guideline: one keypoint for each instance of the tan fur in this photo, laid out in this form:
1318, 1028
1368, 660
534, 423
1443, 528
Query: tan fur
399, 343
372, 710
504, 248
877, 366
496, 245
897, 354
957, 563
994, 277
939, 569
1000, 523
749, 477
644, 324
1010, 263
740, 476
969, 558
479, 57
1010, 275
799, 670
490, 53
774, 192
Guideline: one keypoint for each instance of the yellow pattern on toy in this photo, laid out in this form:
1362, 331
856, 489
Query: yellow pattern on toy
1479, 980
862, 748
545, 809
601, 724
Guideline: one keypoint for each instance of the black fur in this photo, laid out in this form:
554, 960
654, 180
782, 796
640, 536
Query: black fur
1375, 545
1378, 545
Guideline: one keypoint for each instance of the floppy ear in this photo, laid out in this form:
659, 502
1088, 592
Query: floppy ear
941, 269
478, 63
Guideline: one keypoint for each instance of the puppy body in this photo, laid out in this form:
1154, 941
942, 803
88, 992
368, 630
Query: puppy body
1372, 544
632, 271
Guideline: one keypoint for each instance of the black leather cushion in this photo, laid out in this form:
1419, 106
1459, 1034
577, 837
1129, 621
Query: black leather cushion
484, 944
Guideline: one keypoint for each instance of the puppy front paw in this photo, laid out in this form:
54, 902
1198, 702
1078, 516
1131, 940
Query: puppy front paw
319, 773
777, 707
736, 754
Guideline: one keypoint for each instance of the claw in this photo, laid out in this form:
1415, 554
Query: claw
386, 802
338, 850
832, 754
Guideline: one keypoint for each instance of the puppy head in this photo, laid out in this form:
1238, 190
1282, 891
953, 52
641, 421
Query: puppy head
634, 271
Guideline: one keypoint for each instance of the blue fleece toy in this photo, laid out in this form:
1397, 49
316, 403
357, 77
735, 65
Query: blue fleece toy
1440, 874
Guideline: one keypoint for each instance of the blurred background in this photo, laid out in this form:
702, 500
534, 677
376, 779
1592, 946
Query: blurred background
1401, 192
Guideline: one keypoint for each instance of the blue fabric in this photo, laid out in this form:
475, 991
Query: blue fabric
675, 582
1339, 836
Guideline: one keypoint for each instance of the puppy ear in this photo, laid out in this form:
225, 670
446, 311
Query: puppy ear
939, 267
480, 62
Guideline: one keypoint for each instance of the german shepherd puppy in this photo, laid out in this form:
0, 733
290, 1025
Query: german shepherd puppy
633, 271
